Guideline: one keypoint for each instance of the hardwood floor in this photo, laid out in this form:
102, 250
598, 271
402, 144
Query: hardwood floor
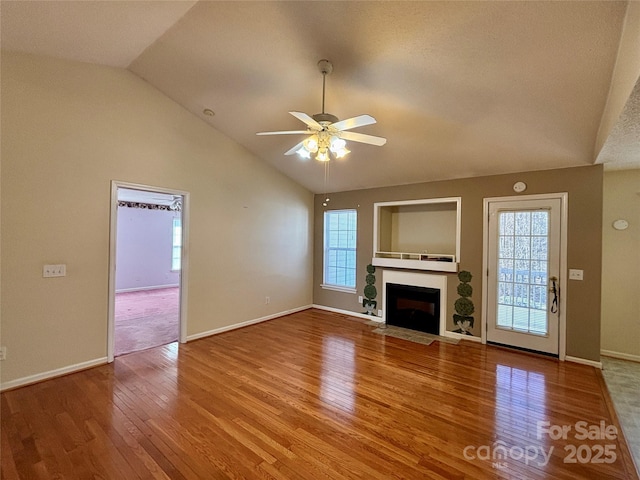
312, 395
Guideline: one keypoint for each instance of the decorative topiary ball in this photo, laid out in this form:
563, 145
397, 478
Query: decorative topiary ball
465, 276
371, 279
371, 269
370, 291
465, 290
463, 306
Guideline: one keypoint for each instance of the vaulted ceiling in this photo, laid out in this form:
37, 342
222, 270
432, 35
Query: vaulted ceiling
459, 89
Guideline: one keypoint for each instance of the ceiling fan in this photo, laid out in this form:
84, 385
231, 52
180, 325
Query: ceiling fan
328, 135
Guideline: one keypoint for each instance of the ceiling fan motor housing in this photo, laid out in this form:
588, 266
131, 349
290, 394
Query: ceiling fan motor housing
325, 117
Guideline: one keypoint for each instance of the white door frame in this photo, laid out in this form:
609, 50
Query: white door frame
564, 216
184, 265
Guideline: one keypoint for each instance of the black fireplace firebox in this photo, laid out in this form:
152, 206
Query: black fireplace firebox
417, 308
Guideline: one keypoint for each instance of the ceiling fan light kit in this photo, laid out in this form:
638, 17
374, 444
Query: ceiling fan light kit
327, 134
322, 144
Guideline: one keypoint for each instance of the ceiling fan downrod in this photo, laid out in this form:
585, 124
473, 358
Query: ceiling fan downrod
325, 67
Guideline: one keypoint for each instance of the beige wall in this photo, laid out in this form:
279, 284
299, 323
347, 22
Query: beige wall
584, 186
70, 128
621, 264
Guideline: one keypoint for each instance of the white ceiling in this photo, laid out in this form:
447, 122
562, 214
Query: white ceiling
622, 149
459, 89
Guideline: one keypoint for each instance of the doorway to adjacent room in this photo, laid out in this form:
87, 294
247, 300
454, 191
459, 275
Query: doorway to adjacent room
147, 280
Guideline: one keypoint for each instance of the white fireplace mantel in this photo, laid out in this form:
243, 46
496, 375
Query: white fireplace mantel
417, 279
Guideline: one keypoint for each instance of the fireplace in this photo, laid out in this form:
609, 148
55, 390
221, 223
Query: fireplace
415, 300
417, 308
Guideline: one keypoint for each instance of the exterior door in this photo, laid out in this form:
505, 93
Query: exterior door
523, 297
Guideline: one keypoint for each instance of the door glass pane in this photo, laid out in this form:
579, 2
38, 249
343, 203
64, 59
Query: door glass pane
540, 223
506, 223
522, 271
505, 316
523, 223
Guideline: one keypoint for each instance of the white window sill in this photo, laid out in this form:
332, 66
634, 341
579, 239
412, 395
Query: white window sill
339, 289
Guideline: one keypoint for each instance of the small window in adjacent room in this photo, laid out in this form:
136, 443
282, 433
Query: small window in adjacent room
340, 230
176, 241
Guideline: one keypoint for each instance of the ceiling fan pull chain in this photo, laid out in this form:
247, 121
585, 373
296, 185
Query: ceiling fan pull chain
326, 178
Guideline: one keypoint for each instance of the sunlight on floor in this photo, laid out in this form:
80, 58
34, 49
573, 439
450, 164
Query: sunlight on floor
338, 368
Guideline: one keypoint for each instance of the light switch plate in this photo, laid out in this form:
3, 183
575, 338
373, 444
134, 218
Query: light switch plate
575, 274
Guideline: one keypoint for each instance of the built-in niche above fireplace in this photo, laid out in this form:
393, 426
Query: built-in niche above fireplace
417, 234
415, 300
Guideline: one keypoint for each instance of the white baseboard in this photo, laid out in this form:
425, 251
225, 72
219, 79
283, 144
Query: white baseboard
583, 361
141, 289
620, 355
373, 318
21, 382
235, 326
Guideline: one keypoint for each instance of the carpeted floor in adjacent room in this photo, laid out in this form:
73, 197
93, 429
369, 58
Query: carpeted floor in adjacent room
146, 319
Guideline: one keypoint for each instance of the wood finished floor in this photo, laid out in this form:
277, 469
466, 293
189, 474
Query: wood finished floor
309, 395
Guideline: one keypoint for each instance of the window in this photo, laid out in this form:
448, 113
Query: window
176, 242
340, 230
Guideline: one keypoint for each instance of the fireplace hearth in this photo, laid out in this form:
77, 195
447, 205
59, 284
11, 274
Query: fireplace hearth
413, 307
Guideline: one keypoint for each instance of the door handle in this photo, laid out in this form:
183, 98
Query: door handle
555, 292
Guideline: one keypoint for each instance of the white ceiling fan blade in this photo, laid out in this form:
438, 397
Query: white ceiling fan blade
362, 138
349, 123
303, 117
294, 149
285, 132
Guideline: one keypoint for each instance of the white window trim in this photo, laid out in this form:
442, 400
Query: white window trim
329, 286
173, 246
338, 288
